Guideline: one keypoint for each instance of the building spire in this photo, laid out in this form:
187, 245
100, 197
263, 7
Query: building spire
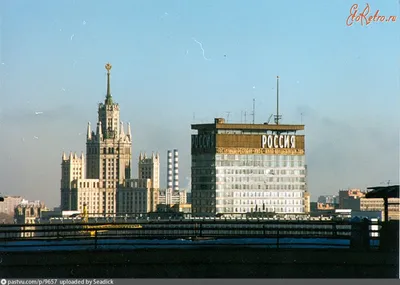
129, 130
109, 101
89, 132
122, 133
99, 131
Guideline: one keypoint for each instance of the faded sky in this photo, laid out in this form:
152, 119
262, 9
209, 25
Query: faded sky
345, 81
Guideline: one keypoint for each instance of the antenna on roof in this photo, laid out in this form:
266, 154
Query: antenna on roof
277, 116
269, 119
227, 116
254, 111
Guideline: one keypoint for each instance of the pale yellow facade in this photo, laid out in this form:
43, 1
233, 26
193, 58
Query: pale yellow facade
72, 168
377, 204
26, 214
93, 180
136, 197
9, 204
307, 201
149, 168
171, 197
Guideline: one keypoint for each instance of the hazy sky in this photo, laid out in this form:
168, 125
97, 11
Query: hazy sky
344, 79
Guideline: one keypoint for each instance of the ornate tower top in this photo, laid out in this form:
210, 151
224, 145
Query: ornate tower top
109, 100
108, 67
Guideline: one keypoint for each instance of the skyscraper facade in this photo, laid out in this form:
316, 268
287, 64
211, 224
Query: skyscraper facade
243, 168
149, 167
94, 181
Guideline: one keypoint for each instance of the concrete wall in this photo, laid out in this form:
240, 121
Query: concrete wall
232, 262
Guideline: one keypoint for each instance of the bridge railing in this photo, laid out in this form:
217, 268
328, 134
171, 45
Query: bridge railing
278, 234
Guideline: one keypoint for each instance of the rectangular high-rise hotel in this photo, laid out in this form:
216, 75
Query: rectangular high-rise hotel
243, 168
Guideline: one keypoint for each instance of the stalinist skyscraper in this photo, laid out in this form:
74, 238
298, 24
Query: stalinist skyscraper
108, 162
109, 150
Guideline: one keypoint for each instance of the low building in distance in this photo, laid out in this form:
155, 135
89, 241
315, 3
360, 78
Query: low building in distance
349, 196
136, 197
9, 204
329, 200
171, 197
27, 213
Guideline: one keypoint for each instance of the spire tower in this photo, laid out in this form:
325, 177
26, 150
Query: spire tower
99, 131
108, 143
89, 132
129, 130
108, 101
121, 130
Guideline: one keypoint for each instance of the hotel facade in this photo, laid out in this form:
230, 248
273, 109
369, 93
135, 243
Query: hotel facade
244, 168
